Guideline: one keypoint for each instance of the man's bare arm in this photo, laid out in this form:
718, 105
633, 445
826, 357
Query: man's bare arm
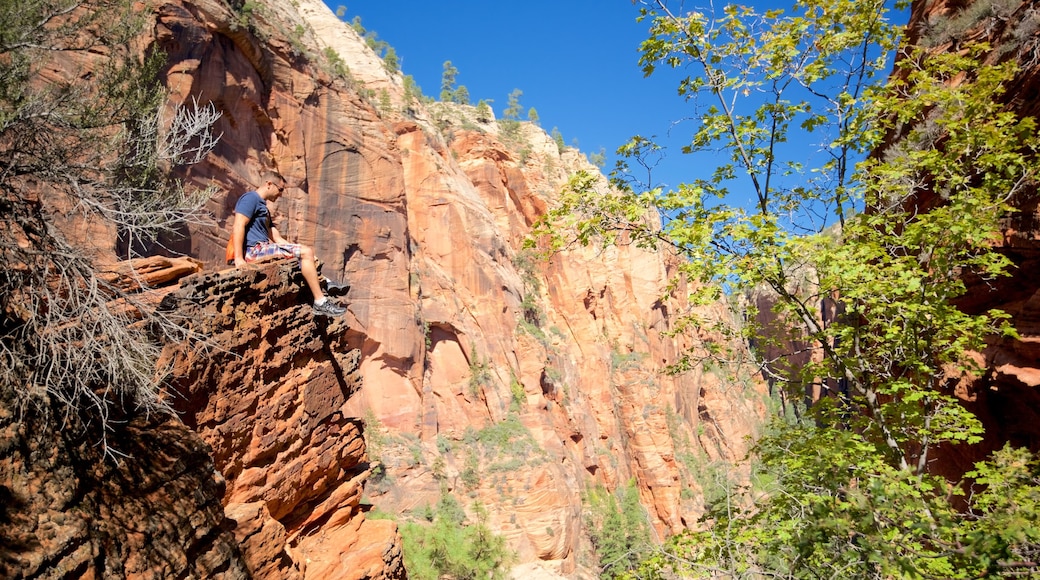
277, 237
238, 233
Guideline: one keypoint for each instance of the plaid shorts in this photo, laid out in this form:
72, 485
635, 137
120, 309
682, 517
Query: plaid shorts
267, 249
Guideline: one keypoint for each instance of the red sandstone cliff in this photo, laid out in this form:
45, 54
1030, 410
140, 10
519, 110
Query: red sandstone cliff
469, 366
422, 209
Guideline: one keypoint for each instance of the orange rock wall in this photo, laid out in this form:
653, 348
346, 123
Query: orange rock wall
265, 385
505, 381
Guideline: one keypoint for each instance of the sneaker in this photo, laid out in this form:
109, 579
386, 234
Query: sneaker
335, 288
328, 308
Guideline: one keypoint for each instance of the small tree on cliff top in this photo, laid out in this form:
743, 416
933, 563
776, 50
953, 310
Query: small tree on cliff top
852, 496
88, 145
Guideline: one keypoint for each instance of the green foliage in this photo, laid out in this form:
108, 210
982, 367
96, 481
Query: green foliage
448, 81
532, 316
484, 112
382, 48
896, 268
557, 138
838, 509
620, 361
449, 92
956, 28
390, 61
532, 115
513, 109
517, 396
355, 23
599, 159
471, 471
412, 93
296, 39
448, 547
510, 130
510, 121
375, 435
888, 239
245, 13
618, 529
461, 95
384, 101
338, 66
479, 372
508, 436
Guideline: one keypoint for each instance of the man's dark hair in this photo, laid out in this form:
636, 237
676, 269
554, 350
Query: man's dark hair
273, 177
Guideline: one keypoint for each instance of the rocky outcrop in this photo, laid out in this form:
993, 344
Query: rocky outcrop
258, 393
471, 367
475, 358
265, 385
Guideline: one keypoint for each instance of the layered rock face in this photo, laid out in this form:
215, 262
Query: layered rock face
258, 392
265, 386
71, 512
485, 373
471, 367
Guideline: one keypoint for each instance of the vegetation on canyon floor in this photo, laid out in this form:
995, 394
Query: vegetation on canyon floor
864, 254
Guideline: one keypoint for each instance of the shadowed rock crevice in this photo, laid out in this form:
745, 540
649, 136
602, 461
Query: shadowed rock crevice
155, 512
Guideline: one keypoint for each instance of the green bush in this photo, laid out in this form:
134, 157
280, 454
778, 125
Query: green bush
448, 547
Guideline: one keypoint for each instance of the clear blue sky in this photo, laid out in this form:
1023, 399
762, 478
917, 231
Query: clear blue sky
576, 61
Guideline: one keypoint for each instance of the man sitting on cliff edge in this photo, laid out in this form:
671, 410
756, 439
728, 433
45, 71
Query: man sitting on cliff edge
255, 237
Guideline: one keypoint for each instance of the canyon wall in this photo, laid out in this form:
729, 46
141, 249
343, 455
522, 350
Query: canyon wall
484, 372
465, 364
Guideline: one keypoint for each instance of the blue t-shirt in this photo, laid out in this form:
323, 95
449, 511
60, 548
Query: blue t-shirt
254, 207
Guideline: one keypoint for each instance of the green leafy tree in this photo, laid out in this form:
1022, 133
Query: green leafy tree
532, 115
413, 94
461, 95
91, 144
852, 496
390, 60
356, 24
557, 138
449, 92
513, 109
448, 81
599, 159
510, 121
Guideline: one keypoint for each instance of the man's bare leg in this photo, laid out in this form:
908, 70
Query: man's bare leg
309, 269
